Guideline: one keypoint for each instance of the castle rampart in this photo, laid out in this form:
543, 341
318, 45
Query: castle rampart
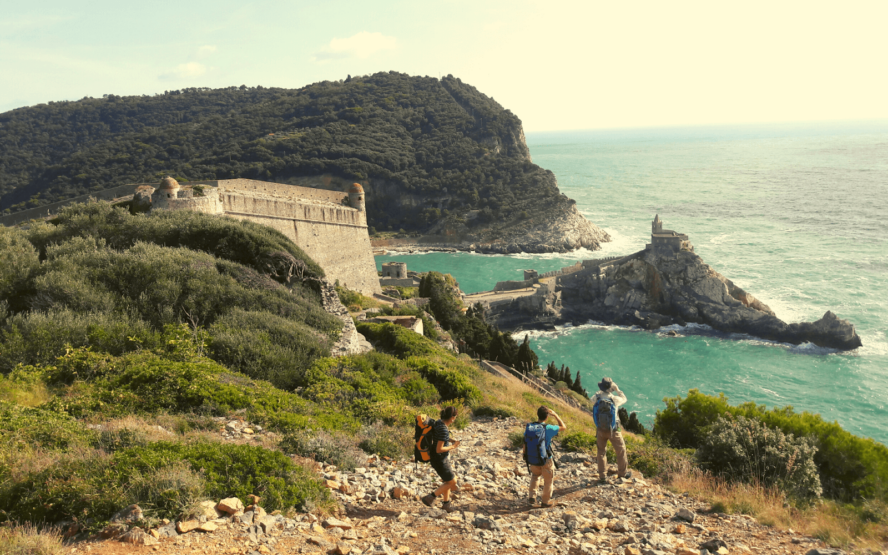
321, 222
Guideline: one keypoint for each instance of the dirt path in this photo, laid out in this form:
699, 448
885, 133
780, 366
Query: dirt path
625, 516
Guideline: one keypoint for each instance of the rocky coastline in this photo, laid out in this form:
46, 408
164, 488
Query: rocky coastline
652, 289
559, 229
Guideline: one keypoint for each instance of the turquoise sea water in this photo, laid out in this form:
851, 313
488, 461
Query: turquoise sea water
795, 214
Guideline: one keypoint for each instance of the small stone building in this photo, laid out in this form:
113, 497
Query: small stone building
667, 241
394, 274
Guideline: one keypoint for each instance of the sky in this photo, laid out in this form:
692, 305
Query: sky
557, 65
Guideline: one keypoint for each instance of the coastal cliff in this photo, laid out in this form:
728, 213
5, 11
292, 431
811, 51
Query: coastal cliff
656, 288
437, 158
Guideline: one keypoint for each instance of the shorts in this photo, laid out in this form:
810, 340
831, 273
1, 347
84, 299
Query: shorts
442, 467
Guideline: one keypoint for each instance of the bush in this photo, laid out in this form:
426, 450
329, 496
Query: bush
850, 467
234, 471
450, 383
396, 340
267, 347
395, 442
259, 247
579, 441
746, 450
337, 449
22, 427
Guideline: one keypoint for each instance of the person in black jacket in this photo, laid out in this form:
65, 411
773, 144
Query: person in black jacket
440, 459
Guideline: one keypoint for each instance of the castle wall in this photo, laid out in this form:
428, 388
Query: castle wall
294, 192
334, 236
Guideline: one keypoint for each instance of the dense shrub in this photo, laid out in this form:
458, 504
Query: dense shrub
395, 442
22, 427
746, 450
244, 242
166, 477
235, 470
266, 346
397, 340
450, 383
40, 337
331, 448
113, 281
850, 467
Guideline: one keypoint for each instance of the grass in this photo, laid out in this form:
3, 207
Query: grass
845, 526
27, 539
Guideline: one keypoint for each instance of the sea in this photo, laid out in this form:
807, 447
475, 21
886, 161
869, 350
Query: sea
796, 214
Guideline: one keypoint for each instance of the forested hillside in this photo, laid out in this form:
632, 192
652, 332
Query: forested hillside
439, 141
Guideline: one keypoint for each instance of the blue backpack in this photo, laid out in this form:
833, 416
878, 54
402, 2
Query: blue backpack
535, 444
604, 413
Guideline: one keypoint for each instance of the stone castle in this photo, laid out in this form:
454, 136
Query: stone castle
666, 241
330, 226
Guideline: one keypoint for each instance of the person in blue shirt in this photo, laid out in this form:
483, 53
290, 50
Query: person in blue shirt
547, 469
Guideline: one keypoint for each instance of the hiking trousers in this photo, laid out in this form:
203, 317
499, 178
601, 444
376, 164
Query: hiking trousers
616, 439
547, 471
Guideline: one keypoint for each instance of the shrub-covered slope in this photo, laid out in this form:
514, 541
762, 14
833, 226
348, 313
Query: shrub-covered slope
431, 148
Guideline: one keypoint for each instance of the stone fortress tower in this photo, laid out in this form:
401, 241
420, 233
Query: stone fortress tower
667, 241
329, 225
356, 197
397, 270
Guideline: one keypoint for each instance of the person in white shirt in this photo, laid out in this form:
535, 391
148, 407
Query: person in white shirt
605, 403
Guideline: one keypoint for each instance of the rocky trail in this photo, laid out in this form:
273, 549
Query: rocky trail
381, 514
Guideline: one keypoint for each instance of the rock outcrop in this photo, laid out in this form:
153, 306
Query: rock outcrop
651, 290
350, 341
558, 228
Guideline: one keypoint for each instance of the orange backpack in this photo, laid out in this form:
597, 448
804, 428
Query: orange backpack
423, 438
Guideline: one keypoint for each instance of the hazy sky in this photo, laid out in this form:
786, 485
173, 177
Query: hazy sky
557, 65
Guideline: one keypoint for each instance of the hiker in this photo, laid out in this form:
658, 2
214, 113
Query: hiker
604, 412
440, 459
538, 438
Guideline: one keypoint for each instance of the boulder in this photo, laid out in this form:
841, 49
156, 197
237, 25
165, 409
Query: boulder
185, 526
336, 523
132, 513
138, 536
686, 515
231, 506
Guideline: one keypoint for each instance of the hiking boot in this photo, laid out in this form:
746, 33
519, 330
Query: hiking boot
547, 505
531, 500
429, 499
602, 480
448, 506
627, 475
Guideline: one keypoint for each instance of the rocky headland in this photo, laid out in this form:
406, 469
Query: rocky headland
655, 288
560, 228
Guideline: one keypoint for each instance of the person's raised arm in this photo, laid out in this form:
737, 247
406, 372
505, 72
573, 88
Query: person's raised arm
618, 396
562, 427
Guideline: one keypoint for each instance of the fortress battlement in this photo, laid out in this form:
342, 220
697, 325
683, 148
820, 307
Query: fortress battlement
330, 226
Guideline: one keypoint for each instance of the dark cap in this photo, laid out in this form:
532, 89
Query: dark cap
605, 384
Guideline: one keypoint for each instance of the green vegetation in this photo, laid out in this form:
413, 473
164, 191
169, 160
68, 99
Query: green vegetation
474, 335
748, 450
851, 468
110, 321
424, 137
